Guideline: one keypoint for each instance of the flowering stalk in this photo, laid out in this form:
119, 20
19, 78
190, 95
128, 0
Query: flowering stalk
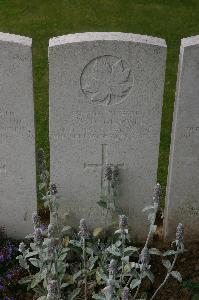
112, 268
109, 290
125, 293
180, 248
144, 260
144, 256
37, 235
115, 184
123, 230
123, 247
53, 207
108, 177
156, 202
53, 254
54, 236
52, 289
84, 234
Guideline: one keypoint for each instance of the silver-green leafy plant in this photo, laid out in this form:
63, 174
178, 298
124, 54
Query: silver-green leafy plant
179, 242
125, 275
114, 265
110, 269
47, 251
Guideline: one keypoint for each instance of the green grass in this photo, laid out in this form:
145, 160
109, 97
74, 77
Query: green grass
42, 19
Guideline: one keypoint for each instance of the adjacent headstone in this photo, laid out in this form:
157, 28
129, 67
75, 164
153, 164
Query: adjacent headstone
17, 137
182, 204
106, 93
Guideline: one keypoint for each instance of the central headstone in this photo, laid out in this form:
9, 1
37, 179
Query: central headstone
106, 93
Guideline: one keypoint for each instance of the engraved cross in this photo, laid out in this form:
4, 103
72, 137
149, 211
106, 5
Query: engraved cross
2, 169
104, 163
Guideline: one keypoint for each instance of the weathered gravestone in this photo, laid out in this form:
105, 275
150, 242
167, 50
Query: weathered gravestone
183, 179
106, 94
17, 137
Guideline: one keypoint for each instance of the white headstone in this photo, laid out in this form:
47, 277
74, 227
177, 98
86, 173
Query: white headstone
106, 94
182, 204
17, 136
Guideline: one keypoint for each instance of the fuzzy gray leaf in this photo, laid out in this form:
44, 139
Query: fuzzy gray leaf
77, 274
35, 262
66, 228
29, 236
102, 275
166, 263
153, 228
155, 251
38, 277
130, 250
62, 256
65, 284
135, 283
91, 262
75, 243
150, 275
177, 275
147, 208
99, 297
169, 252
26, 279
30, 254
118, 244
125, 259
74, 294
114, 251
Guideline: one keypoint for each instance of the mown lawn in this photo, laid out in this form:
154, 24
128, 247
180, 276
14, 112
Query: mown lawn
42, 19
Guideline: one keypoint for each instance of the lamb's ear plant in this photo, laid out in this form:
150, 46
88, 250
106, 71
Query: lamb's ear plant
144, 257
47, 251
111, 267
179, 243
130, 274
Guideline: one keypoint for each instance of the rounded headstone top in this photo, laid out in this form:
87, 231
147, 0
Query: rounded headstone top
109, 36
190, 41
17, 39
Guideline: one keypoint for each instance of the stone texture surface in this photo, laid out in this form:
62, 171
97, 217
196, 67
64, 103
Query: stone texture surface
183, 179
17, 137
106, 94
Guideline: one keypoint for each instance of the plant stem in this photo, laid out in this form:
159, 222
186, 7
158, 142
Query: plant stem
151, 225
137, 291
167, 276
123, 247
146, 245
108, 195
57, 275
84, 262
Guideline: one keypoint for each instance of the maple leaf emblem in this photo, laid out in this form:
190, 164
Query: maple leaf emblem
109, 81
